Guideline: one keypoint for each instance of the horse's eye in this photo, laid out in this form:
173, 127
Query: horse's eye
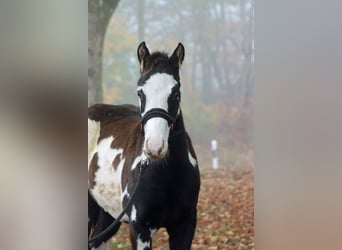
177, 97
139, 94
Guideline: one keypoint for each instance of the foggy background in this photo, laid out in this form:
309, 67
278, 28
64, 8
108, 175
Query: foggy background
216, 75
217, 98
297, 75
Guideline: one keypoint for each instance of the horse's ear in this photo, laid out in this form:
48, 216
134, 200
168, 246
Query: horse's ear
178, 55
143, 53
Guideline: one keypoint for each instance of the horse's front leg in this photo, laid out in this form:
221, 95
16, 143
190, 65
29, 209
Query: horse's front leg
140, 235
103, 221
181, 234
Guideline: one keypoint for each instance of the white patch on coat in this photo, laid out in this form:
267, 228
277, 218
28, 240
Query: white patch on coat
125, 193
93, 137
178, 111
141, 245
107, 190
134, 214
157, 90
192, 159
136, 162
143, 157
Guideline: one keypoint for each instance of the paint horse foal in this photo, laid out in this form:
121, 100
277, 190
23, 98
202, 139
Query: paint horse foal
121, 138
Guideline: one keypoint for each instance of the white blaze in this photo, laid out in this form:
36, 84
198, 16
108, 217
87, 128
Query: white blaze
157, 90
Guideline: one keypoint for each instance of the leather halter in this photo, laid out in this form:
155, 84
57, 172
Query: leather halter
157, 112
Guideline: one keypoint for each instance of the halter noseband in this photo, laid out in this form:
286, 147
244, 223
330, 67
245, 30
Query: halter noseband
157, 112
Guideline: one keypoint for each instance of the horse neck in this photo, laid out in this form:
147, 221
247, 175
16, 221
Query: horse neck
177, 140
179, 125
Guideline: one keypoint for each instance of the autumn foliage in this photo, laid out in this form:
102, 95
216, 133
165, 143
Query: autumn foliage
225, 213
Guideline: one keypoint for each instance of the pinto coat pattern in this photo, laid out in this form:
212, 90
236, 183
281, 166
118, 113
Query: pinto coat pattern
120, 137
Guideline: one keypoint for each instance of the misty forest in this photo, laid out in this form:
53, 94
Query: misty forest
217, 97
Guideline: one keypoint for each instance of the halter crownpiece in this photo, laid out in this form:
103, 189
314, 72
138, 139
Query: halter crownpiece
157, 112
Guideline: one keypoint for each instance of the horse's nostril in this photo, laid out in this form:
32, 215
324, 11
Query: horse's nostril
161, 149
154, 152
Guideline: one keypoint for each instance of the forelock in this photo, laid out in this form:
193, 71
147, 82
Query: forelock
158, 62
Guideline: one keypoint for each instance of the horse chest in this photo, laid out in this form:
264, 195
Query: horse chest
165, 199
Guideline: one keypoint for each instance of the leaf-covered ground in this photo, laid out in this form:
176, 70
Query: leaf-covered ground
225, 214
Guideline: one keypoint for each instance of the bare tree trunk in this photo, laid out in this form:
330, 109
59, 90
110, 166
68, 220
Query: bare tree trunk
99, 14
247, 50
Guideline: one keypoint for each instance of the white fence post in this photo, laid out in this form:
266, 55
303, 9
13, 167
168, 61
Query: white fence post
215, 154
